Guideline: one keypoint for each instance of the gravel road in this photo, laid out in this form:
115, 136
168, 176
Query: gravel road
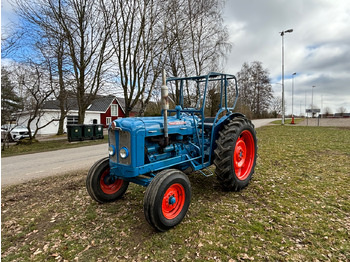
19, 169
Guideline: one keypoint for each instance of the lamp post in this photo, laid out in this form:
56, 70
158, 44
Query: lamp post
293, 97
312, 101
282, 34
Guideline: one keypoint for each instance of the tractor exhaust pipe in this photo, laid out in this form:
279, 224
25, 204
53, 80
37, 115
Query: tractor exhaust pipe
165, 105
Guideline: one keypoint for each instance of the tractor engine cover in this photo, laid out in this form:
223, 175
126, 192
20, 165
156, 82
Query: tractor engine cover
129, 141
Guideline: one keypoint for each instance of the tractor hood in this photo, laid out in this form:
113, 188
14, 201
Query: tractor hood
154, 126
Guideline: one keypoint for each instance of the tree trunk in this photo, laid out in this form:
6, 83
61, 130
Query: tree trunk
62, 97
61, 124
81, 116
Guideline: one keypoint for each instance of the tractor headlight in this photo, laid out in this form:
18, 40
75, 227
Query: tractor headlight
111, 150
124, 152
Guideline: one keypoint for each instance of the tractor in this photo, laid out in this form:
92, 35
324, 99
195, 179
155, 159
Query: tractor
159, 152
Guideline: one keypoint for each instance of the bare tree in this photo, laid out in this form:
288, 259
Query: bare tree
276, 106
87, 32
36, 86
255, 87
341, 110
138, 47
48, 44
196, 37
327, 111
10, 39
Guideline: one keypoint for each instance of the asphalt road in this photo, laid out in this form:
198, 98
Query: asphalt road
263, 122
20, 169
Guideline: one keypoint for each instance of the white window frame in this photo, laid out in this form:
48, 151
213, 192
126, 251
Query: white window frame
114, 110
108, 120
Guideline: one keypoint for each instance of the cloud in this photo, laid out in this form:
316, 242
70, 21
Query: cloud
318, 49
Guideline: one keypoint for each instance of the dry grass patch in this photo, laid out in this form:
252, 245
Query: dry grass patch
297, 208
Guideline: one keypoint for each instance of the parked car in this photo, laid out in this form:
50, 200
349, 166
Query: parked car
14, 132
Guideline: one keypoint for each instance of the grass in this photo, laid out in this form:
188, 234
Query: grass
288, 121
50, 145
295, 209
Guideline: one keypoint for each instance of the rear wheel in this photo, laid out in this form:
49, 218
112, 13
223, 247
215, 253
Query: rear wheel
236, 153
101, 186
167, 199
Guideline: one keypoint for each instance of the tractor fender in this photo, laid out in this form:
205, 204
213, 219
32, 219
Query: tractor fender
219, 126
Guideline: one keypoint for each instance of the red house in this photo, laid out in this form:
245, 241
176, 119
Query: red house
103, 110
110, 108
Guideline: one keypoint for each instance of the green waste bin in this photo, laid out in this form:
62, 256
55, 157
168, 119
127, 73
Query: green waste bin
74, 132
88, 131
98, 131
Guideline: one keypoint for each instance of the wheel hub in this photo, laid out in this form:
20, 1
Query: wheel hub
172, 200
240, 153
109, 183
108, 180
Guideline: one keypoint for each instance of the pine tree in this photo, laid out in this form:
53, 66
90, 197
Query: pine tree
10, 101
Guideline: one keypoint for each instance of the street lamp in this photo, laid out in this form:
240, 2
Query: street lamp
282, 34
312, 101
293, 96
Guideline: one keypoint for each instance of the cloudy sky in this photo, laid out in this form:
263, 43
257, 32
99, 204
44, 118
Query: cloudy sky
318, 49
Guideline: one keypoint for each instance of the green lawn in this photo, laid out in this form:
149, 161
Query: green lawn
43, 146
296, 208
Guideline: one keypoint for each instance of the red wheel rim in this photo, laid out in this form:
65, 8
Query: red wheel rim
244, 154
108, 184
173, 201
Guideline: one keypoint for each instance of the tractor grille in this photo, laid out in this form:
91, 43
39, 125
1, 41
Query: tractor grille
111, 137
125, 141
119, 139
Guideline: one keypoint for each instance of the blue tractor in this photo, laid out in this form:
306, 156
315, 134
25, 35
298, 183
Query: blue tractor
159, 152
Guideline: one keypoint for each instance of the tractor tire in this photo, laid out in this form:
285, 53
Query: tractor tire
167, 199
236, 153
101, 186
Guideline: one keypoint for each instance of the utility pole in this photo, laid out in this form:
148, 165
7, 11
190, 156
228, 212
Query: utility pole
312, 101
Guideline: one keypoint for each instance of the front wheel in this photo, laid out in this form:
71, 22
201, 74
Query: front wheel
167, 199
236, 153
101, 186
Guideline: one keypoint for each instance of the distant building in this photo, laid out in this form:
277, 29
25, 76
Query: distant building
342, 115
103, 110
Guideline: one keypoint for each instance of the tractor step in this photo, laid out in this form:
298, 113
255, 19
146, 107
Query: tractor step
210, 173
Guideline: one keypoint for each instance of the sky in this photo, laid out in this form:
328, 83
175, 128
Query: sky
318, 49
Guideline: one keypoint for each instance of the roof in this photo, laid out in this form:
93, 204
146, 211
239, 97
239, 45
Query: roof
54, 104
100, 104
121, 102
